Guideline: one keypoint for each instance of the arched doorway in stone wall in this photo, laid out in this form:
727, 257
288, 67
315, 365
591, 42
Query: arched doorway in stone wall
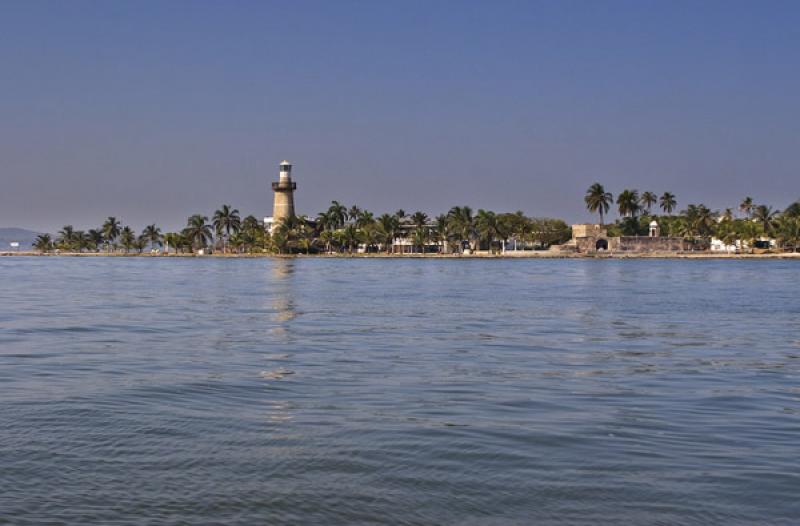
602, 244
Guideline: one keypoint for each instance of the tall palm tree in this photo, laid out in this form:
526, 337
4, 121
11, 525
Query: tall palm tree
647, 201
305, 235
442, 231
96, 237
420, 235
327, 237
788, 231
522, 227
419, 219
371, 235
198, 231
750, 232
325, 221
43, 243
171, 239
463, 224
726, 232
727, 215
390, 225
127, 238
765, 216
84, 241
337, 214
250, 223
401, 214
111, 229
225, 221
700, 221
140, 244
152, 234
598, 200
746, 206
354, 213
793, 210
486, 223
628, 203
364, 218
668, 202
68, 237
350, 237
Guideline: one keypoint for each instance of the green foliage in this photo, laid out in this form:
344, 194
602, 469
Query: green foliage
598, 200
43, 243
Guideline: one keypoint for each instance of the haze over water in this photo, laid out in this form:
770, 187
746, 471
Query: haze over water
333, 391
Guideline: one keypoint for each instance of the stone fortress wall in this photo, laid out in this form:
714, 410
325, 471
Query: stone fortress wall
594, 239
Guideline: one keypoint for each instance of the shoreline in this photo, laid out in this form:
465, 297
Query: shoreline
508, 255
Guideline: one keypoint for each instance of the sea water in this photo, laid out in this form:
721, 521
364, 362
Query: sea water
398, 391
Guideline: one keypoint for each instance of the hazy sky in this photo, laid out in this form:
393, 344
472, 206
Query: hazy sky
152, 111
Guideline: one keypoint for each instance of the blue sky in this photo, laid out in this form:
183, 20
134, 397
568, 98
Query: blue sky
152, 111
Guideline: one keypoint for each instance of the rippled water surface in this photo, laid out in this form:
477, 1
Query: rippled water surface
326, 391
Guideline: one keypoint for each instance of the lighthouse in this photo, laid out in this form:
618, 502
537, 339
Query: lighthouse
283, 205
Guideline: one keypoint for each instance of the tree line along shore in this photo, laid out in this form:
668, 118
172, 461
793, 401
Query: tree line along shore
460, 231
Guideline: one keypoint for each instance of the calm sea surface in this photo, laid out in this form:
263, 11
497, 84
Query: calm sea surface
458, 392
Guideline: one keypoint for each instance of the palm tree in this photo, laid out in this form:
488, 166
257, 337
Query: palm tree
726, 232
127, 238
750, 232
522, 227
793, 210
371, 235
140, 244
84, 241
728, 214
364, 218
700, 222
250, 224
327, 237
598, 200
350, 237
110, 231
746, 206
198, 231
647, 200
43, 243
305, 240
442, 231
788, 231
765, 216
172, 239
354, 213
337, 214
506, 226
152, 234
463, 224
225, 221
325, 221
68, 237
419, 219
420, 235
390, 225
401, 214
295, 230
279, 241
486, 223
668, 202
96, 237
628, 203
